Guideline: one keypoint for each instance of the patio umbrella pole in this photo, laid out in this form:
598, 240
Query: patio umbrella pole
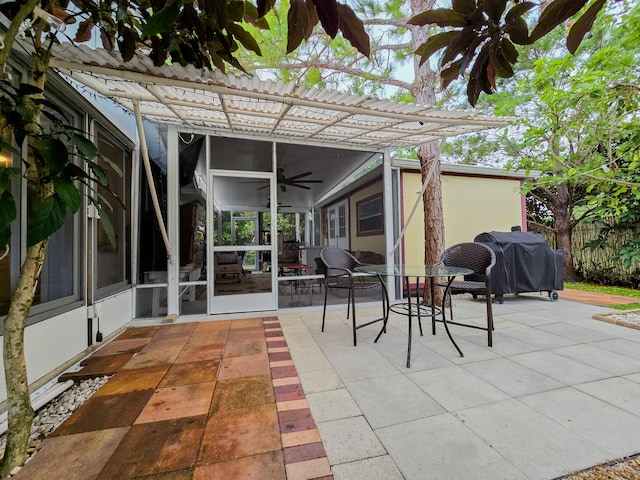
152, 186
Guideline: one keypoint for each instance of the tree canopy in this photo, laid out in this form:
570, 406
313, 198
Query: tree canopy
481, 36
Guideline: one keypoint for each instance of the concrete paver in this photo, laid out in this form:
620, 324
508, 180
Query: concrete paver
275, 398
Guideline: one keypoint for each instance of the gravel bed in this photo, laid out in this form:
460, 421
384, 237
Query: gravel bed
54, 413
623, 469
629, 318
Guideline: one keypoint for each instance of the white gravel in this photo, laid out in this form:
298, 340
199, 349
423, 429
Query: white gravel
54, 413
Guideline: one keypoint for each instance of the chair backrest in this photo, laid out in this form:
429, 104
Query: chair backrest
337, 261
473, 255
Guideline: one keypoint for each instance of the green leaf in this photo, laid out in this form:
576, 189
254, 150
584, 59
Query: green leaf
583, 25
99, 172
435, 43
8, 211
45, 219
5, 177
554, 14
353, 30
244, 38
162, 20
68, 193
85, 146
74, 171
114, 166
54, 154
443, 17
106, 224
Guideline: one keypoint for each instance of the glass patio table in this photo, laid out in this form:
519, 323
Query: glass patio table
411, 308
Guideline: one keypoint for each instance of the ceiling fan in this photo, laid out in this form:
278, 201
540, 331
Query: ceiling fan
293, 181
278, 207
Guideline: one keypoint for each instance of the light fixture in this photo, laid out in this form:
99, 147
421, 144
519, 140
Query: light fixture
5, 160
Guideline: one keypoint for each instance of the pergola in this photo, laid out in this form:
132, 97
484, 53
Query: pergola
226, 103
245, 106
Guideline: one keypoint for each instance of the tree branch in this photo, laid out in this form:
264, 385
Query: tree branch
394, 48
394, 22
345, 69
543, 226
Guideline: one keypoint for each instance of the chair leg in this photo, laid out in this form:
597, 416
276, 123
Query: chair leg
324, 309
352, 296
489, 321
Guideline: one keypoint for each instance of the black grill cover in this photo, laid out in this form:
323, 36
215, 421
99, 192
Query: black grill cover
524, 263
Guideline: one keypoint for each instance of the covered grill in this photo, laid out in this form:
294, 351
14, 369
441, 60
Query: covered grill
524, 263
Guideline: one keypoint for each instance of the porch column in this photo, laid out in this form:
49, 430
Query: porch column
173, 220
389, 206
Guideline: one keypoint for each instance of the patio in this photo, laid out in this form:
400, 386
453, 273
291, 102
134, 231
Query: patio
557, 393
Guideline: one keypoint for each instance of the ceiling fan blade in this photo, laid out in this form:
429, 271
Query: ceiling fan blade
299, 186
295, 177
283, 187
306, 181
262, 188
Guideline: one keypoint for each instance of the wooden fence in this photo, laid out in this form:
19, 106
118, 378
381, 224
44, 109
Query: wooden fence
601, 263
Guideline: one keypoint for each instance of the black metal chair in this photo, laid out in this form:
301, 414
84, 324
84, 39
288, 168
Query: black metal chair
340, 274
481, 259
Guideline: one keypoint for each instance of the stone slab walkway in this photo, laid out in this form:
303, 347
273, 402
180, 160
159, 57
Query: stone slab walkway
189, 401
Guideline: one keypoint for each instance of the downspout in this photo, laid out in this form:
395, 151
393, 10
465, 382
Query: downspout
419, 197
152, 187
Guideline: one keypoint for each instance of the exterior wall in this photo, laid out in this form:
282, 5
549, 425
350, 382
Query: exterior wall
471, 204
474, 205
372, 243
57, 333
57, 341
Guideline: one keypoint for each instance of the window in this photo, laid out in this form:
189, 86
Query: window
342, 221
370, 216
60, 285
113, 263
332, 223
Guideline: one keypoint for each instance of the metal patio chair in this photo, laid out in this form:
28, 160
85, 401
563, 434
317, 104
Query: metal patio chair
340, 274
481, 259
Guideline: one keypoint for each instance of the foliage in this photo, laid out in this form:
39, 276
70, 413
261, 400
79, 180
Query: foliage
207, 34
325, 62
485, 34
53, 151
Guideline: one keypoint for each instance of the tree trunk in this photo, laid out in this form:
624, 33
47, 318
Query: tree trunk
424, 92
20, 411
564, 229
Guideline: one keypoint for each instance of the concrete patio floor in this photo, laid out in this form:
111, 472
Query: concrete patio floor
558, 392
